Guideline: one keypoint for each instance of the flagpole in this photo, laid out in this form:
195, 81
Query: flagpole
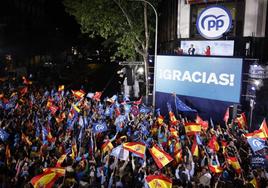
175, 100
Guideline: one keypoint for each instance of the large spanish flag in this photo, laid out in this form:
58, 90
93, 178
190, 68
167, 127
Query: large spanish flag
107, 146
235, 164
160, 157
158, 181
264, 128
47, 179
192, 128
215, 169
135, 147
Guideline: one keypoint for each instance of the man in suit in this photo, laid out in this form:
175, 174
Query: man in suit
191, 50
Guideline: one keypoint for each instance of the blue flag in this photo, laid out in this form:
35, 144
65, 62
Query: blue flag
3, 135
145, 110
99, 127
119, 122
256, 144
181, 106
198, 139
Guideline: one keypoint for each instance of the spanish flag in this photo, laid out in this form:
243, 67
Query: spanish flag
47, 179
204, 124
256, 134
264, 128
213, 144
74, 150
178, 156
254, 182
242, 121
215, 169
173, 132
235, 164
195, 148
192, 128
76, 108
172, 118
59, 170
224, 145
135, 147
158, 181
49, 102
107, 146
60, 160
61, 88
160, 157
97, 95
160, 120
78, 93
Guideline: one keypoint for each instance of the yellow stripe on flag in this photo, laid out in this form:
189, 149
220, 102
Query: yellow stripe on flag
160, 157
192, 128
158, 181
136, 147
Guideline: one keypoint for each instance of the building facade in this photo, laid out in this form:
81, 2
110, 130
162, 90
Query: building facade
248, 30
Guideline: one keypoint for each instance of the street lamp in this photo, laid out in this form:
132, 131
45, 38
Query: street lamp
155, 54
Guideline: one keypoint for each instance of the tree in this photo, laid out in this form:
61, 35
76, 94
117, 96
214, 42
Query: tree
122, 21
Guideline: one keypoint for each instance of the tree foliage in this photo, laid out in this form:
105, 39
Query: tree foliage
128, 23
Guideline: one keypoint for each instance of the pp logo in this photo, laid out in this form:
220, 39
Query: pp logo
213, 21
99, 127
257, 143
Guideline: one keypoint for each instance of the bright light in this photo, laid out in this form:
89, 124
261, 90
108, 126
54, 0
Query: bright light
140, 70
257, 82
253, 88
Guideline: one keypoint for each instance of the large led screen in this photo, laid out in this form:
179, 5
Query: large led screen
203, 77
217, 47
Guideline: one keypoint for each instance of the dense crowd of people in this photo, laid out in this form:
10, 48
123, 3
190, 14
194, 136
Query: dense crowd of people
60, 138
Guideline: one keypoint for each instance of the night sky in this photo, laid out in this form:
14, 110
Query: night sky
35, 26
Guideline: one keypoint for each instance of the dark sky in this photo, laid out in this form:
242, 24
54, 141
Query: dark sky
35, 26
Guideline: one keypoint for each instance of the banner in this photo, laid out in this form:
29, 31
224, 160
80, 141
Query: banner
203, 77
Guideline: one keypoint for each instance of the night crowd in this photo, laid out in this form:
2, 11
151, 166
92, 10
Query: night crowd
70, 138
